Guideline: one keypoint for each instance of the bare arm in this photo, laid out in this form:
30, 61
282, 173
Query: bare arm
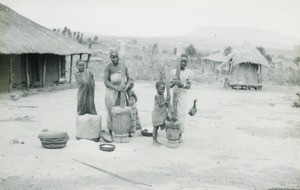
134, 95
77, 78
129, 80
186, 85
107, 83
188, 81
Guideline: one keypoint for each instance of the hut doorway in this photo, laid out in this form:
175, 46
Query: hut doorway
34, 70
4, 74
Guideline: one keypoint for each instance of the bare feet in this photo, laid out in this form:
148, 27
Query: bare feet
180, 138
110, 133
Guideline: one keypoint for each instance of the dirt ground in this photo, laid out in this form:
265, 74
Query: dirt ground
237, 140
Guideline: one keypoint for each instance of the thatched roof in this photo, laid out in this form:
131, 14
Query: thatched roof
216, 57
247, 54
19, 35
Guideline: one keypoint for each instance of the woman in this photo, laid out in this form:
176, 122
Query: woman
86, 90
113, 81
184, 83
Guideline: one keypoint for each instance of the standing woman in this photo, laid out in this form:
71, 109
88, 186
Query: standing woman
184, 83
113, 82
86, 90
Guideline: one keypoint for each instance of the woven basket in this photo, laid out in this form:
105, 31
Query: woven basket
54, 139
121, 123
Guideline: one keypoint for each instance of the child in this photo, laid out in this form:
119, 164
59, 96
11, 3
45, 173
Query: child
86, 91
160, 113
132, 99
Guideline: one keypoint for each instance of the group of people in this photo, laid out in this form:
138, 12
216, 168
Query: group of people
118, 81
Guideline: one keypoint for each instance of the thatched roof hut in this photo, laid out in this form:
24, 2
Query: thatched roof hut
31, 54
245, 67
214, 61
247, 54
19, 35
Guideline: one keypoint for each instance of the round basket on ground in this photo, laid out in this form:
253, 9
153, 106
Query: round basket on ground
53, 139
107, 147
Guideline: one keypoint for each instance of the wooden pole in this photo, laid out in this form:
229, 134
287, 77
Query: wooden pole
59, 67
87, 61
167, 82
44, 70
10, 73
175, 93
27, 72
260, 74
123, 70
114, 175
80, 56
71, 63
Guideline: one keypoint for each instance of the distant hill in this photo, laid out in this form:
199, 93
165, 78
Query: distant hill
236, 35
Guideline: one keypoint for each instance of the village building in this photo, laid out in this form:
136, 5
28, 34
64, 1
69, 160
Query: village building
246, 66
32, 55
214, 61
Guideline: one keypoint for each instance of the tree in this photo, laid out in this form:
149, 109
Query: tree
227, 51
297, 61
81, 39
65, 30
74, 35
264, 53
175, 51
90, 43
191, 50
78, 36
95, 38
69, 33
154, 49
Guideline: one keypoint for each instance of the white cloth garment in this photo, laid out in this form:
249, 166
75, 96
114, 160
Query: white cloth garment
182, 107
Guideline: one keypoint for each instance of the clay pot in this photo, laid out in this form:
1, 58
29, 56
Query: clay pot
173, 134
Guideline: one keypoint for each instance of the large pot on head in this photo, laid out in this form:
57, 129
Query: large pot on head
121, 123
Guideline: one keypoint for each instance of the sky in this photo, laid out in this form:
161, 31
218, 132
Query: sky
160, 17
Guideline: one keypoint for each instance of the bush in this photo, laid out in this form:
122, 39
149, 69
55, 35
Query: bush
294, 78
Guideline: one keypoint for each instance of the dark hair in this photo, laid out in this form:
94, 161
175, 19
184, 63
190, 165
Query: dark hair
113, 50
80, 61
184, 55
158, 84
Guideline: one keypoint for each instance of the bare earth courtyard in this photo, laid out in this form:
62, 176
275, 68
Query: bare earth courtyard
237, 140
